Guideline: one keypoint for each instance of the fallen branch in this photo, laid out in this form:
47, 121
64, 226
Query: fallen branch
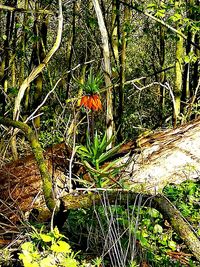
169, 211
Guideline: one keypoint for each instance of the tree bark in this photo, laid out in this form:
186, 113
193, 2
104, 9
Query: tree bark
178, 73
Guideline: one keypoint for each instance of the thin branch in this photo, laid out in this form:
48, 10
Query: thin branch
28, 11
45, 99
40, 67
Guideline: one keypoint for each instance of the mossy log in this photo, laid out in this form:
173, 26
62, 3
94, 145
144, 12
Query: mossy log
179, 224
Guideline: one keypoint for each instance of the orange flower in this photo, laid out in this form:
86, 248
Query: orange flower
92, 102
84, 101
97, 101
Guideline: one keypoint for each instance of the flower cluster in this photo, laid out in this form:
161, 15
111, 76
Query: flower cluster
91, 102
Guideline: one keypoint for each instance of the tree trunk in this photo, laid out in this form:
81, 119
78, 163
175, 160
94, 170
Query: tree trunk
107, 71
122, 61
178, 73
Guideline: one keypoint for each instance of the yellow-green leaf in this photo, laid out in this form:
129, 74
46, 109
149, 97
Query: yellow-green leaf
68, 262
48, 262
61, 246
46, 238
27, 246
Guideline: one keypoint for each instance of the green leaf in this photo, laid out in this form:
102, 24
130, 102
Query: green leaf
84, 153
96, 144
109, 153
81, 149
152, 5
28, 246
103, 143
68, 262
160, 13
187, 59
176, 17
33, 264
157, 229
153, 213
18, 25
144, 241
26, 258
88, 143
4, 37
172, 244
56, 233
49, 261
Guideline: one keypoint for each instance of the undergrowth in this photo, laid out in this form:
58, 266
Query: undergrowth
113, 235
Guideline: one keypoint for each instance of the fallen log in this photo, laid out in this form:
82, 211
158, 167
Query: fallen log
170, 156
152, 162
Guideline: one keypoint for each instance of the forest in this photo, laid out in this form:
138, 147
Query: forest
99, 133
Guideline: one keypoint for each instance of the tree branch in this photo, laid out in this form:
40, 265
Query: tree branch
22, 10
40, 67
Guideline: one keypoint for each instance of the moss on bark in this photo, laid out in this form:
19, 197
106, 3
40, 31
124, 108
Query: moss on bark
38, 153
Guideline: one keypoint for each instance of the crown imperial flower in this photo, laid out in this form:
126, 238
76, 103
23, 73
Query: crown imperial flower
91, 102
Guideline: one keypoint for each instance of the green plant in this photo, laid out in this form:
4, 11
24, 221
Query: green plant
94, 155
92, 84
155, 241
47, 250
186, 196
97, 262
6, 257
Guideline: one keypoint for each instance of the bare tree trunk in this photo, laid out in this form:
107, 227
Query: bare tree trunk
107, 71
